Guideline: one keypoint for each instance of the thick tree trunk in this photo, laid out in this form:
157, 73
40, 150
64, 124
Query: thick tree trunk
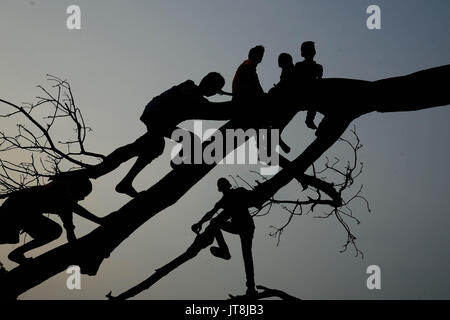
352, 98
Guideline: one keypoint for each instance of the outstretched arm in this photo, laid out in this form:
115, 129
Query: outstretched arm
198, 226
82, 212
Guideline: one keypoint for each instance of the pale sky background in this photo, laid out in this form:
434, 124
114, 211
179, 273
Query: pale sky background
129, 51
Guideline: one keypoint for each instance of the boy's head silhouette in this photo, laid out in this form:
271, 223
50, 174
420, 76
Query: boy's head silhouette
223, 185
79, 188
211, 84
256, 54
308, 50
285, 60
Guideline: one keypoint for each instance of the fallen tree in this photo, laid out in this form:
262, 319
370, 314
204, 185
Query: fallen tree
89, 251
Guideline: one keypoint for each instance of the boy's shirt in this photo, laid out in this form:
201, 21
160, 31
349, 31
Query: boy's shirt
173, 106
233, 205
22, 206
308, 71
43, 199
246, 82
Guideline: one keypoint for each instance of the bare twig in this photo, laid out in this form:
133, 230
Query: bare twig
326, 194
34, 139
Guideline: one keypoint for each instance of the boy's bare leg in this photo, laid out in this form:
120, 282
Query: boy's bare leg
42, 230
109, 163
126, 185
221, 251
148, 149
114, 160
246, 243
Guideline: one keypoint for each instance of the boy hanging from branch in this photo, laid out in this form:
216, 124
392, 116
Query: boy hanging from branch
236, 219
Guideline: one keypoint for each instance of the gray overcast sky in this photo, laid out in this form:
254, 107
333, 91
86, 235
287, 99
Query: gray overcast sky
129, 51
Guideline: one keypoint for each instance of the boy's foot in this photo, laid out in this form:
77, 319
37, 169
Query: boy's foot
220, 253
126, 189
18, 258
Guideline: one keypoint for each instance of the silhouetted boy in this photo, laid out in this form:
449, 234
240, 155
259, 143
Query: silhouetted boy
277, 94
286, 64
248, 93
246, 86
306, 71
23, 211
161, 116
236, 219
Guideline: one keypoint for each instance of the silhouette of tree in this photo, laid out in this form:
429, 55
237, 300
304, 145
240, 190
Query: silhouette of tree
35, 141
350, 100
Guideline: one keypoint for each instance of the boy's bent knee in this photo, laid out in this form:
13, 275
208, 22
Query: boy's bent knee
54, 232
47, 231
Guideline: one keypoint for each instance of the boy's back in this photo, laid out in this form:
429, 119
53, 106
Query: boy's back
234, 205
246, 83
172, 106
51, 198
308, 70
